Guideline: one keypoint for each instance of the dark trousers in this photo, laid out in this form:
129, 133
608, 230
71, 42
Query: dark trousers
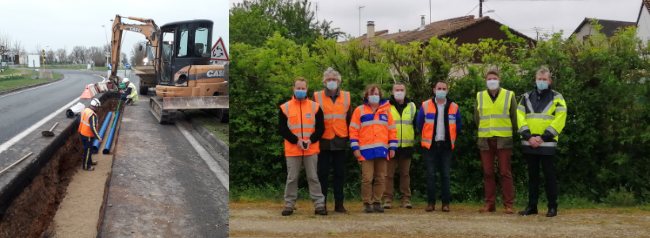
337, 159
124, 99
438, 158
533, 179
88, 144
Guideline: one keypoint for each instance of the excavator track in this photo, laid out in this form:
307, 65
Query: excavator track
163, 116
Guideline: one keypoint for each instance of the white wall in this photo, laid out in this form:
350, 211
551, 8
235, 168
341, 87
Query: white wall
643, 28
586, 29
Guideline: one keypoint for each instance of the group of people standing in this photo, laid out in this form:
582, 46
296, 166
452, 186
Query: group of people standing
381, 134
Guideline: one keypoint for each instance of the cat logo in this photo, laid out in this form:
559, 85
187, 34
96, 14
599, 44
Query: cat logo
215, 73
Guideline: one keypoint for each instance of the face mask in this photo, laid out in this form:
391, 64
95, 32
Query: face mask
332, 85
373, 98
493, 84
399, 95
441, 94
542, 85
300, 94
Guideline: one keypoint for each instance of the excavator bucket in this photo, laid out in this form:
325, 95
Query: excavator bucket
195, 102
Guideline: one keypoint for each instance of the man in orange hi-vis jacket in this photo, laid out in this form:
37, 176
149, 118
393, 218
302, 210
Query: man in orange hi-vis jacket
372, 134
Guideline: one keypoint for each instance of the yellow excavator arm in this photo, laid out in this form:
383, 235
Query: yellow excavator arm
149, 29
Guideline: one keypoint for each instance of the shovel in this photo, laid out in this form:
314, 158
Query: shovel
50, 133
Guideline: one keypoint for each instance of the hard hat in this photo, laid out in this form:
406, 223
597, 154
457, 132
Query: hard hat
125, 80
95, 103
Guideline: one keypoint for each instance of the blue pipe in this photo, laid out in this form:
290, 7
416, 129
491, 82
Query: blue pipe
107, 147
95, 148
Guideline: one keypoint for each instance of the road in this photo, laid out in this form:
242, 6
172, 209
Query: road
18, 111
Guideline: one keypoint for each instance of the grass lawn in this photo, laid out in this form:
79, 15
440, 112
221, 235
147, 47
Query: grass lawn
6, 84
212, 124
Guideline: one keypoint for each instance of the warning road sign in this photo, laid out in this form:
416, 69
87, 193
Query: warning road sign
219, 51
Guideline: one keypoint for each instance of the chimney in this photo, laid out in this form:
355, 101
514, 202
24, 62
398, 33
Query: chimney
371, 29
422, 18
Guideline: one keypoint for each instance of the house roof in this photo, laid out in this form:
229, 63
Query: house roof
643, 3
436, 29
609, 26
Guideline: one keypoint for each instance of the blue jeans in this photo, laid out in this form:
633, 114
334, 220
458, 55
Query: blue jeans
438, 158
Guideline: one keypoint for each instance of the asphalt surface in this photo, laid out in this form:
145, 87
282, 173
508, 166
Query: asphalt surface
160, 185
19, 111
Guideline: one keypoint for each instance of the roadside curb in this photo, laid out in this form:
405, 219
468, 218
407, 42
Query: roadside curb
213, 140
31, 86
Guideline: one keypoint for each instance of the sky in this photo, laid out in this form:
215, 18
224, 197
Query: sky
521, 15
68, 23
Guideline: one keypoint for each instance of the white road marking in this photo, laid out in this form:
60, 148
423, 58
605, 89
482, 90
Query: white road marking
30, 89
12, 141
212, 164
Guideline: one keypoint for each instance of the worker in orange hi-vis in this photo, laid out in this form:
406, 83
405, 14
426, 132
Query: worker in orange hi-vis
88, 130
373, 138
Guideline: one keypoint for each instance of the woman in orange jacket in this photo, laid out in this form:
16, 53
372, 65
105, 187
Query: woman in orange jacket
372, 133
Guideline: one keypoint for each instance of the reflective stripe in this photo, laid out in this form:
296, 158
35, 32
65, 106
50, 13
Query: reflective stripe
494, 129
391, 127
560, 109
558, 96
528, 104
352, 124
480, 96
552, 130
294, 127
301, 126
453, 141
524, 128
375, 145
361, 110
304, 134
495, 117
392, 145
333, 116
412, 110
452, 121
544, 144
431, 121
320, 99
537, 116
346, 95
505, 105
403, 122
352, 144
407, 141
373, 122
426, 108
521, 108
426, 141
548, 107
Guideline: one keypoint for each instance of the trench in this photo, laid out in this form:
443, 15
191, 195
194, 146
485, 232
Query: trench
31, 213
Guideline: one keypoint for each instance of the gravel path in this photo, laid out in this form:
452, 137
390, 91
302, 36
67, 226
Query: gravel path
264, 220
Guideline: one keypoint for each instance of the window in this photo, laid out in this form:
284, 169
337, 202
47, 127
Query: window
182, 46
201, 42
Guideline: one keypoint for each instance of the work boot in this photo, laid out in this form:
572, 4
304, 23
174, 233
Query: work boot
338, 207
488, 208
407, 205
320, 211
430, 208
377, 207
509, 210
530, 210
552, 211
387, 205
287, 211
445, 208
368, 209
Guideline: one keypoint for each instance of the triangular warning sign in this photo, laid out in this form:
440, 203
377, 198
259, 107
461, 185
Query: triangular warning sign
219, 51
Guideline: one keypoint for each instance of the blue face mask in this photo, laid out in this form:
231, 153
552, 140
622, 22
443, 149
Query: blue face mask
331, 85
300, 94
542, 85
441, 94
373, 98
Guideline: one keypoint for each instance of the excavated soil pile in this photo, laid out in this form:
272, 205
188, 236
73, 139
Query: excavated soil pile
32, 211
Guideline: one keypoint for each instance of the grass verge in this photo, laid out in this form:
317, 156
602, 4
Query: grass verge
25, 80
212, 124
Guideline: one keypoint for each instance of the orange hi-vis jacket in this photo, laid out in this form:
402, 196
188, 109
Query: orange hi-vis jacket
429, 108
334, 114
88, 124
301, 119
373, 133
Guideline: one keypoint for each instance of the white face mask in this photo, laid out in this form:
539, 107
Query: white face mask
399, 95
332, 85
493, 84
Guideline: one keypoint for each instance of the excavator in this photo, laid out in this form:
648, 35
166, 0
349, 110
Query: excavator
177, 65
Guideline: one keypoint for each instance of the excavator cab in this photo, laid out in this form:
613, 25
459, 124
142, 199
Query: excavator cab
183, 44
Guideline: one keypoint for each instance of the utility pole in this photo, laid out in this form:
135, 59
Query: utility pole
429, 11
316, 11
480, 8
360, 19
537, 29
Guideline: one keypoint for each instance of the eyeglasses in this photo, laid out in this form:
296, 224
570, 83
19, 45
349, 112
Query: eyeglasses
493, 79
332, 79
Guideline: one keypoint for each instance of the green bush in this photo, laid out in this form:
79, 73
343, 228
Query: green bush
603, 146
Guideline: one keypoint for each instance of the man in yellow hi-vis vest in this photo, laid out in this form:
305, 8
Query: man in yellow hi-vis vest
496, 116
541, 115
404, 114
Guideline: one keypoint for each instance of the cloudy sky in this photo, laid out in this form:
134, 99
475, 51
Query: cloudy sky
59, 23
522, 15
